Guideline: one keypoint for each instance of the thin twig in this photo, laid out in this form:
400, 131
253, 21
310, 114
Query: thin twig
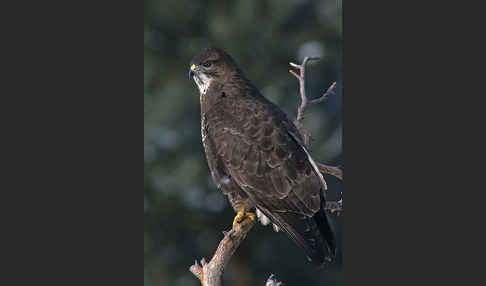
325, 169
330, 170
272, 281
304, 100
334, 206
325, 95
301, 78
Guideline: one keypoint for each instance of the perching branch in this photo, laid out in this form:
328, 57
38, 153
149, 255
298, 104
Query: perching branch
210, 273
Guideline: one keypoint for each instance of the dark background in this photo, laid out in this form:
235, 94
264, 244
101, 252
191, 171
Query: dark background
184, 212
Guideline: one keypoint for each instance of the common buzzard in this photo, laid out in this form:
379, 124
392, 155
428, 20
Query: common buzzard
257, 158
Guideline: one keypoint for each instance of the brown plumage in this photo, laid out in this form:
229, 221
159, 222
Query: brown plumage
256, 156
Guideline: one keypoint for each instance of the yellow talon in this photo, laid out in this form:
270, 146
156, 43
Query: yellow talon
241, 215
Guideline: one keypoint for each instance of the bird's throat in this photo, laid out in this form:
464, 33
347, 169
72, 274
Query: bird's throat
203, 83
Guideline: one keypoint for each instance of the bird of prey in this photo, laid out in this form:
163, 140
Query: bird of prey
257, 157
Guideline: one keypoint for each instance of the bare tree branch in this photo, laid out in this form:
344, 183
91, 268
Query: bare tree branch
334, 206
210, 273
272, 281
304, 100
331, 170
325, 169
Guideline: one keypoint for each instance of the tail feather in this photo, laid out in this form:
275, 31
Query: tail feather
313, 234
319, 242
326, 231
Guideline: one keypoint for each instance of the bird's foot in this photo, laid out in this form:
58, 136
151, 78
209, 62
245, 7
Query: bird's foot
241, 215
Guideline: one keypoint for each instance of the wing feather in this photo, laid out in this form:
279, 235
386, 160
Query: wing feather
266, 162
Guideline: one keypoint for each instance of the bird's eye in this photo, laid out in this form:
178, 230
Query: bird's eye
206, 64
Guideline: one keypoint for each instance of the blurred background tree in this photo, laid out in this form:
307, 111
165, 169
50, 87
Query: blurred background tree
184, 212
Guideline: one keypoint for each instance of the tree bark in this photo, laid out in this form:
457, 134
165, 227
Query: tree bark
210, 273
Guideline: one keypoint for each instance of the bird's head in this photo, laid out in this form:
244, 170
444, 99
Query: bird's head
212, 65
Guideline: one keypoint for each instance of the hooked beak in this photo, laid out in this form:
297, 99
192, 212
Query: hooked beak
192, 71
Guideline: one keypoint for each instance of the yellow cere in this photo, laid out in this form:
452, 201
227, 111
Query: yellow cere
193, 67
